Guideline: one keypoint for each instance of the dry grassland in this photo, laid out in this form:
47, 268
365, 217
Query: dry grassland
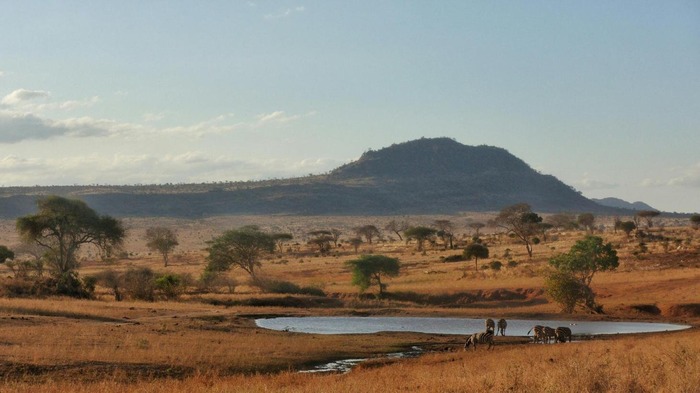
51, 345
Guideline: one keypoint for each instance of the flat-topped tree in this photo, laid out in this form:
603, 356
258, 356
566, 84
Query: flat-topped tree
64, 225
369, 269
397, 227
648, 217
420, 235
369, 232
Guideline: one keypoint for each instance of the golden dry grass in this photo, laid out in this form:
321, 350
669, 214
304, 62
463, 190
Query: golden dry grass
60, 344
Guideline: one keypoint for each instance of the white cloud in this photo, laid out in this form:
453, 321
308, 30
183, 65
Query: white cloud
593, 184
2, 73
285, 13
152, 117
189, 166
279, 117
16, 127
689, 177
22, 95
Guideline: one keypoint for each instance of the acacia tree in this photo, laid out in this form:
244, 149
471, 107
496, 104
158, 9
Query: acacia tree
420, 235
62, 226
322, 239
648, 217
476, 226
445, 230
243, 247
335, 233
579, 265
369, 269
369, 232
281, 238
562, 221
586, 220
520, 220
355, 242
397, 227
162, 240
476, 250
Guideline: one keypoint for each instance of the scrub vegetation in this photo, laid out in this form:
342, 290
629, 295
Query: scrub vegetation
151, 328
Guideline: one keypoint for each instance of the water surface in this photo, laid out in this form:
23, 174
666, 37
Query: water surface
516, 327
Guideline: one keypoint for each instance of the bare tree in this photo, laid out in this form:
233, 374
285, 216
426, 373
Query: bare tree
520, 220
445, 230
397, 227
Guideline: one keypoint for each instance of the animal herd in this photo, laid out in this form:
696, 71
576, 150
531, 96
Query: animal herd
544, 334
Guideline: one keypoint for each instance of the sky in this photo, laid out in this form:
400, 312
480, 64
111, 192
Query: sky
604, 95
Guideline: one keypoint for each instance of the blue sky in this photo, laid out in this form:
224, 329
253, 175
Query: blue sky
603, 95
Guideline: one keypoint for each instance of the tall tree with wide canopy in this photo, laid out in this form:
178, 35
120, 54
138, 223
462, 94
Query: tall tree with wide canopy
520, 220
63, 225
476, 250
369, 269
162, 240
243, 247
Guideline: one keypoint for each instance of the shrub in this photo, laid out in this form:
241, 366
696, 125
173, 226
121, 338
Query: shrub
169, 285
495, 265
139, 283
512, 263
274, 286
453, 258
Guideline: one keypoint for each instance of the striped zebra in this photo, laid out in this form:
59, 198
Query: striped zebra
502, 324
561, 334
490, 325
480, 338
549, 334
538, 331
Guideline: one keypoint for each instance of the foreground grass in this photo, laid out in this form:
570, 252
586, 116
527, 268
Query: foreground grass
653, 363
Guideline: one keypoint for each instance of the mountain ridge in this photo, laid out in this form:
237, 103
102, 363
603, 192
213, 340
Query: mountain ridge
423, 176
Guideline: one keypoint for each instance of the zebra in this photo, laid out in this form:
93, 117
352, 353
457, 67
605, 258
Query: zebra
480, 338
490, 325
549, 333
561, 334
502, 324
538, 333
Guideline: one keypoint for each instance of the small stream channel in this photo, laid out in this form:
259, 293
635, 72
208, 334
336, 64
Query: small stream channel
457, 326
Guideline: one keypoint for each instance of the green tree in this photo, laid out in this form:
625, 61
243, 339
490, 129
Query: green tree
476, 250
243, 247
567, 290
562, 221
369, 269
63, 225
586, 258
695, 221
586, 220
581, 263
5, 254
162, 240
520, 220
420, 235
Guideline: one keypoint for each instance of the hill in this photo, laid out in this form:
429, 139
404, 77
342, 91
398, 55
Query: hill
622, 204
425, 176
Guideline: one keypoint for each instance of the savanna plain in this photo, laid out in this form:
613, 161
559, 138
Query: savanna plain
205, 339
